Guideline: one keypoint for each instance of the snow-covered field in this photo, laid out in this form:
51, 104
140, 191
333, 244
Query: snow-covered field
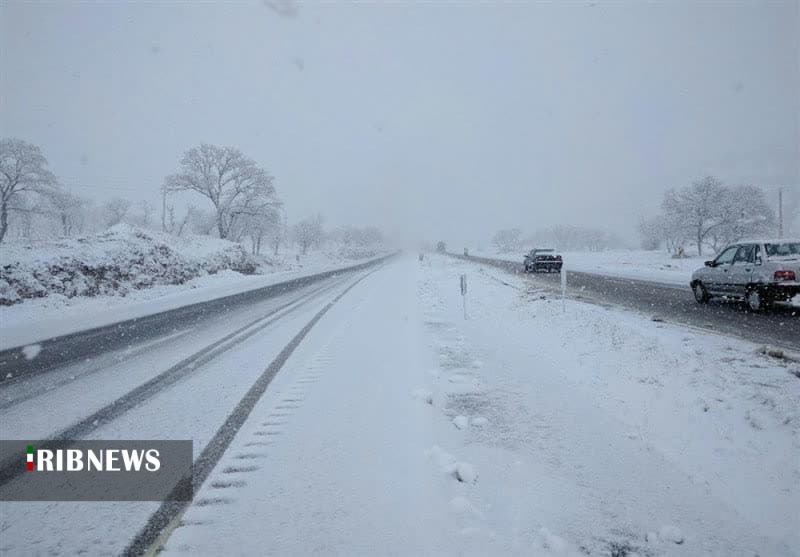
69, 285
532, 428
655, 266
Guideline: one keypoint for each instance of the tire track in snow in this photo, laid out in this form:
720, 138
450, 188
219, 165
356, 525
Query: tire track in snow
181, 370
167, 517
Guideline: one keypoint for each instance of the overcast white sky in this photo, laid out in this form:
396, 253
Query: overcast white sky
435, 119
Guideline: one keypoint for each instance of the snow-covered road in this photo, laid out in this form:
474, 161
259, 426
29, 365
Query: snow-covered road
398, 428
548, 433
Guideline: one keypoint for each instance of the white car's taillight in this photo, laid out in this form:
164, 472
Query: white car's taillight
784, 275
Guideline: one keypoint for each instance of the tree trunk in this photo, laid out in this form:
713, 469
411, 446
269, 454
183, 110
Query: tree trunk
3, 221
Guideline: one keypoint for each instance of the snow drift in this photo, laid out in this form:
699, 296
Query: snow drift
120, 260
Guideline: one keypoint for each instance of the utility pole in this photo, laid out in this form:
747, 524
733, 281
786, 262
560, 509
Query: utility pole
780, 187
163, 208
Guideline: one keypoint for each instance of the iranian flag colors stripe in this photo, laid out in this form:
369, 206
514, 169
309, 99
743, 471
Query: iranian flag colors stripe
30, 458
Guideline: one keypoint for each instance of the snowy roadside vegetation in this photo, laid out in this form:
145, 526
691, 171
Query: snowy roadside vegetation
115, 262
58, 249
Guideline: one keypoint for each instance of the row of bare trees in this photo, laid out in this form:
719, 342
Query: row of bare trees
708, 214
563, 237
242, 200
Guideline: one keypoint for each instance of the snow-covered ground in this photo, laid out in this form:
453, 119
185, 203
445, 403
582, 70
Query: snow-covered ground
532, 428
655, 266
116, 262
170, 272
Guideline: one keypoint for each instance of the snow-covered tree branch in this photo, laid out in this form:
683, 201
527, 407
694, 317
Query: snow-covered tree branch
234, 184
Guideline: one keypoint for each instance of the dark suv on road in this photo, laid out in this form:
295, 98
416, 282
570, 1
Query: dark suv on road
542, 260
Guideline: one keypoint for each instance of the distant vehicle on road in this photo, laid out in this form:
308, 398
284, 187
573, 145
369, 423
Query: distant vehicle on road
441, 247
760, 272
541, 259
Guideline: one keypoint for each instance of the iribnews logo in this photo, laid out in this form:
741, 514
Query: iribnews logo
78, 460
96, 470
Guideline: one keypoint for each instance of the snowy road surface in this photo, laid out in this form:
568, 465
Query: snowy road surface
396, 427
779, 326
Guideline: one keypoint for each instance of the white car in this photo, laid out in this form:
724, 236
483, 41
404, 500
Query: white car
759, 272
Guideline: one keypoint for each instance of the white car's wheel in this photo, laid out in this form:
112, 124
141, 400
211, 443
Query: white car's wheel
700, 293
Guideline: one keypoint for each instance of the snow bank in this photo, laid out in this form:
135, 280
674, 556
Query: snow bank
116, 262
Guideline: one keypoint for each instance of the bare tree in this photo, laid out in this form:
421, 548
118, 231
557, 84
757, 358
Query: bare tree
146, 212
699, 207
115, 211
714, 215
277, 236
668, 229
650, 233
507, 240
259, 227
233, 183
72, 211
368, 236
23, 172
308, 232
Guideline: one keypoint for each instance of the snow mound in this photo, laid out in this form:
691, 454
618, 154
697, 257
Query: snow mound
479, 421
120, 260
464, 472
461, 422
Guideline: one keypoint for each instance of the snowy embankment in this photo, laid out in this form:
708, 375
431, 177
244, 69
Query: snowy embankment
653, 266
49, 289
116, 262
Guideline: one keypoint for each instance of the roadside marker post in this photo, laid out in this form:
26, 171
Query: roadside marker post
563, 289
464, 294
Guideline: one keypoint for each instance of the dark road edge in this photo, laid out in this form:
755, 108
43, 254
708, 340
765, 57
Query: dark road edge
170, 511
57, 351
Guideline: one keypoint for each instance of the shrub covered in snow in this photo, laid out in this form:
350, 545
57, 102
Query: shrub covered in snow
121, 259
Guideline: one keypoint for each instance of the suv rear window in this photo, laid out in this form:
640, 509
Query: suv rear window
783, 250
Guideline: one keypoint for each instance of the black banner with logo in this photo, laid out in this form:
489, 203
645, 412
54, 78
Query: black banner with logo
80, 470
